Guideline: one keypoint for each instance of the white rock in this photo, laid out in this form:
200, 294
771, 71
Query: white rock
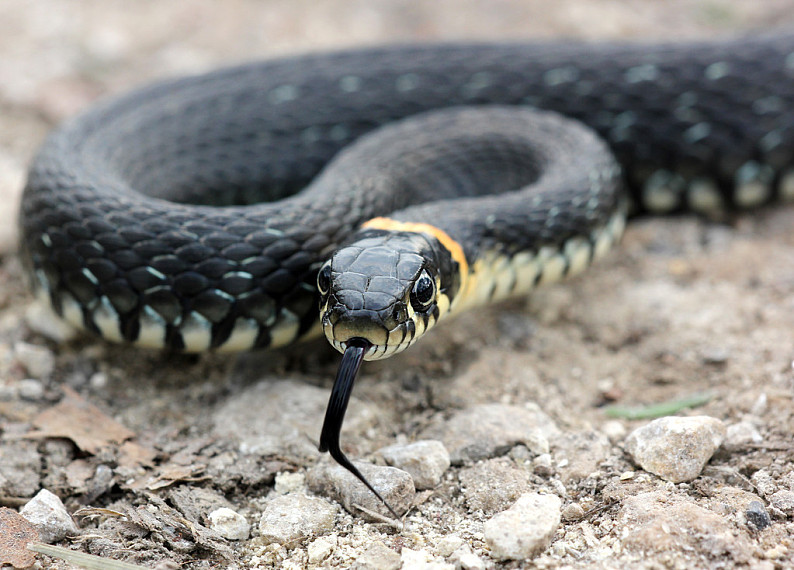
425, 460
674, 448
465, 558
447, 545
229, 524
321, 549
39, 361
30, 389
46, 512
525, 529
290, 518
783, 500
287, 482
739, 435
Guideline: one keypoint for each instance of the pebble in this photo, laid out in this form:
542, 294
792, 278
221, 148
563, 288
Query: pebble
525, 529
658, 521
39, 361
542, 465
579, 454
30, 389
287, 482
46, 512
229, 524
321, 549
425, 460
488, 430
676, 448
394, 485
493, 485
614, 430
289, 519
465, 558
739, 435
280, 418
757, 516
572, 512
783, 501
378, 556
421, 560
449, 544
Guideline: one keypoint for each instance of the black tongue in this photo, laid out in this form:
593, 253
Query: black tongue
337, 406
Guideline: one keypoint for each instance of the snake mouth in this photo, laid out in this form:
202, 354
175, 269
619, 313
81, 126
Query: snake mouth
382, 342
375, 350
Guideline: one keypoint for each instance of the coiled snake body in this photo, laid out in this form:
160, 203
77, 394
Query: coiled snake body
438, 212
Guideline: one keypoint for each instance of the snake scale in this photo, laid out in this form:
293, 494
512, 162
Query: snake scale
215, 212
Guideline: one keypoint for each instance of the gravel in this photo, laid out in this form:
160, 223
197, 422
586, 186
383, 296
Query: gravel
525, 529
47, 513
676, 448
394, 485
229, 524
290, 519
426, 461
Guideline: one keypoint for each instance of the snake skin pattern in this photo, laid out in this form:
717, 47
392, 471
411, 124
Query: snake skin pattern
113, 239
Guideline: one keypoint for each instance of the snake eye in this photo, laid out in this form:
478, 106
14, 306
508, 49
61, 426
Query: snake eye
424, 291
324, 279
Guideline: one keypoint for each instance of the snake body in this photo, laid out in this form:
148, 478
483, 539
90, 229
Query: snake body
195, 214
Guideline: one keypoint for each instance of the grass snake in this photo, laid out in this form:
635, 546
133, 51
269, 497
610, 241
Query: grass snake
391, 186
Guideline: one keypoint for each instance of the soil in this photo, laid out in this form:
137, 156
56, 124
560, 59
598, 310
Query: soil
684, 306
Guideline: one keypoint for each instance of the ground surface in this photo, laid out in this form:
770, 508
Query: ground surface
683, 307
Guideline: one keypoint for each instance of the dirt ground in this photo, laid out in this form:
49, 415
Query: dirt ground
683, 307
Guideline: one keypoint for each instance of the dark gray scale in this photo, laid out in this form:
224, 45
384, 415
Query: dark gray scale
691, 124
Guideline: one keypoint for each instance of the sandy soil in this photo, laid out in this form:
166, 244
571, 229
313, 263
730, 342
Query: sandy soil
684, 306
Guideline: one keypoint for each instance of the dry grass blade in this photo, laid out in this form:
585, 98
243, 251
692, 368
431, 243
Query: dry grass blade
88, 561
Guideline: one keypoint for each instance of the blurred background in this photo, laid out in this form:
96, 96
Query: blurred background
56, 56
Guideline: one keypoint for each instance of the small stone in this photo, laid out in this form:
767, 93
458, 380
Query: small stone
39, 361
542, 465
30, 389
740, 435
98, 380
675, 448
289, 519
614, 430
580, 453
449, 544
493, 485
783, 501
525, 529
488, 430
658, 521
47, 513
464, 558
757, 516
229, 524
378, 556
321, 549
763, 481
287, 482
572, 512
394, 485
425, 460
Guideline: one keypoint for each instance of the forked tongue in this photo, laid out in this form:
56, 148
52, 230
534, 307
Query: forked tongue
337, 406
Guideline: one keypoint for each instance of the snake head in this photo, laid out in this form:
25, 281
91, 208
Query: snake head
388, 288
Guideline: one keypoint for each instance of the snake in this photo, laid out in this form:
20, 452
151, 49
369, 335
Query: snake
389, 186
